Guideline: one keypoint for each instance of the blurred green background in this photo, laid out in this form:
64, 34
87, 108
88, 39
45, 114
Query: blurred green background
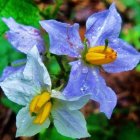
125, 122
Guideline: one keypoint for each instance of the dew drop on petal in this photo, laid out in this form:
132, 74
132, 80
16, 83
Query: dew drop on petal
79, 56
79, 63
85, 70
84, 89
93, 37
98, 28
76, 47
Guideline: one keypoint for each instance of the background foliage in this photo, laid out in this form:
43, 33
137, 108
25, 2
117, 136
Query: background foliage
125, 121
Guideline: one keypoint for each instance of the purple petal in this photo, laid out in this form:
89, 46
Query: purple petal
84, 80
64, 38
8, 71
103, 25
127, 57
22, 37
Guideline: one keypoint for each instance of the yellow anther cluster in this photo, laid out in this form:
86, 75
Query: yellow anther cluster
41, 107
100, 55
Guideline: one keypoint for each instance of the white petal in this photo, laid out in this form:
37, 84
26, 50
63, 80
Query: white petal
69, 123
74, 103
18, 89
35, 70
25, 126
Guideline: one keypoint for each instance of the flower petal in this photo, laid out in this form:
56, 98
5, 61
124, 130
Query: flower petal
8, 71
25, 126
22, 37
127, 57
103, 94
64, 38
18, 89
35, 70
69, 123
75, 103
84, 80
76, 80
100, 26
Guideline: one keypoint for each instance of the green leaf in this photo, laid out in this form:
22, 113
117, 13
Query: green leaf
13, 106
133, 36
129, 132
56, 136
51, 11
8, 54
138, 68
53, 66
97, 122
99, 128
129, 3
24, 11
52, 134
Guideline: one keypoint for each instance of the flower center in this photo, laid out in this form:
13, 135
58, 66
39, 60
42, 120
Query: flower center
40, 106
100, 55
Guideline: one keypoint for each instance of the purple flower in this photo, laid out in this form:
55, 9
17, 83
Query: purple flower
22, 38
102, 48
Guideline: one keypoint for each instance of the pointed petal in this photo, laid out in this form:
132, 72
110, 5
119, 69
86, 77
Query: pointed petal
8, 71
103, 94
18, 89
75, 103
69, 123
100, 26
35, 70
84, 81
127, 57
22, 37
64, 38
25, 126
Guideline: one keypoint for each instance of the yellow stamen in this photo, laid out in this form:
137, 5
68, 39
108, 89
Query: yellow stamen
43, 114
99, 55
44, 97
41, 107
33, 104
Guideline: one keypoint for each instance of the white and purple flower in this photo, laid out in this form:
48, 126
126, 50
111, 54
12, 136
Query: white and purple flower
31, 88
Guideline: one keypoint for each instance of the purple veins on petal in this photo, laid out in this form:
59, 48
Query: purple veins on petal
22, 37
64, 38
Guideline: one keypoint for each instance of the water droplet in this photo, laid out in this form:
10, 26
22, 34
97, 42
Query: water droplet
85, 70
76, 47
79, 63
98, 28
79, 56
93, 37
84, 89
